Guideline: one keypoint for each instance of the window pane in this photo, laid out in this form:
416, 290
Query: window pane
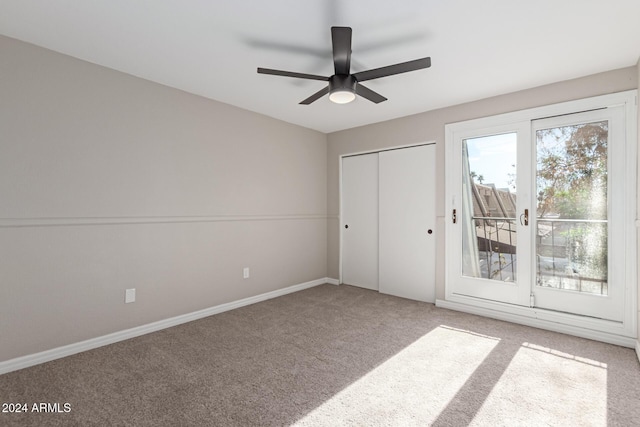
571, 243
489, 207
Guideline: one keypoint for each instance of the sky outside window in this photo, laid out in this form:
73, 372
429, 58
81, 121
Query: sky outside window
494, 158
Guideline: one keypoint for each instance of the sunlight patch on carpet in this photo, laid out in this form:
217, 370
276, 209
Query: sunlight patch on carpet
412, 387
544, 386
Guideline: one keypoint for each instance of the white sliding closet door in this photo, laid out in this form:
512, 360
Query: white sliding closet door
388, 222
360, 220
407, 222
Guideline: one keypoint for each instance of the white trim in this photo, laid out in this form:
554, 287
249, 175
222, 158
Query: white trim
90, 344
333, 281
74, 221
638, 350
541, 319
379, 150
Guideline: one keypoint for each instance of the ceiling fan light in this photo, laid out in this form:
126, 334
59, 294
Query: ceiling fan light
342, 96
342, 88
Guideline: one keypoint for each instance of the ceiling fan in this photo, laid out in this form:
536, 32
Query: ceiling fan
343, 86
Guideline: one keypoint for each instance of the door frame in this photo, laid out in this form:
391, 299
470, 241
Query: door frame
622, 333
341, 193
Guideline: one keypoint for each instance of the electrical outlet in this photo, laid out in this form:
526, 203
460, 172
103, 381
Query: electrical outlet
245, 272
129, 295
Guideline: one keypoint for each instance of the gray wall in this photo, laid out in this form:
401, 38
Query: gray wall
429, 126
110, 182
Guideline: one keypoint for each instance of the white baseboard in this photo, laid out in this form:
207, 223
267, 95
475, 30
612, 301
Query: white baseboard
520, 319
638, 350
90, 344
333, 281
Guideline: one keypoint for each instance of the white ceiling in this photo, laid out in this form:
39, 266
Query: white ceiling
213, 47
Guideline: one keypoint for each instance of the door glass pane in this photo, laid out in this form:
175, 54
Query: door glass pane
489, 207
571, 181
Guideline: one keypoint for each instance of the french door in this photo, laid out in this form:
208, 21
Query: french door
490, 215
538, 212
579, 213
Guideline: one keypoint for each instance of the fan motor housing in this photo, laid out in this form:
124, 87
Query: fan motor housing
342, 82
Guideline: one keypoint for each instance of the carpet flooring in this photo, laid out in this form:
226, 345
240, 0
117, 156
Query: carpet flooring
335, 356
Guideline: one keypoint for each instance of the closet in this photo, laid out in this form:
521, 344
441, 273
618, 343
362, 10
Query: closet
388, 221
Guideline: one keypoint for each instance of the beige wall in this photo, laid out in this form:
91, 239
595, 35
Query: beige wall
110, 182
429, 126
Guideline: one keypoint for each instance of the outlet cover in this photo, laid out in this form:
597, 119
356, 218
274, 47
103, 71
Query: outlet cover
129, 295
245, 272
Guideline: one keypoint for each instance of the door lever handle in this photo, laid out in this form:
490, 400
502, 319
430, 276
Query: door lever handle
525, 216
454, 216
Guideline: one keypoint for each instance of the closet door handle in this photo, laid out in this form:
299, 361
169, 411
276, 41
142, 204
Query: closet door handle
346, 226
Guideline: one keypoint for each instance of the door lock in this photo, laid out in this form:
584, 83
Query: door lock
525, 216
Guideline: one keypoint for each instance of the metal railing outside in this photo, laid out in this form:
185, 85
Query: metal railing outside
497, 241
555, 266
497, 245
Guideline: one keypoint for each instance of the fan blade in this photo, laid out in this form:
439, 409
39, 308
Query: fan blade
291, 74
341, 39
390, 70
372, 96
319, 94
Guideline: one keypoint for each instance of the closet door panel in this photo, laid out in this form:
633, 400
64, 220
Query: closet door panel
407, 223
360, 221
